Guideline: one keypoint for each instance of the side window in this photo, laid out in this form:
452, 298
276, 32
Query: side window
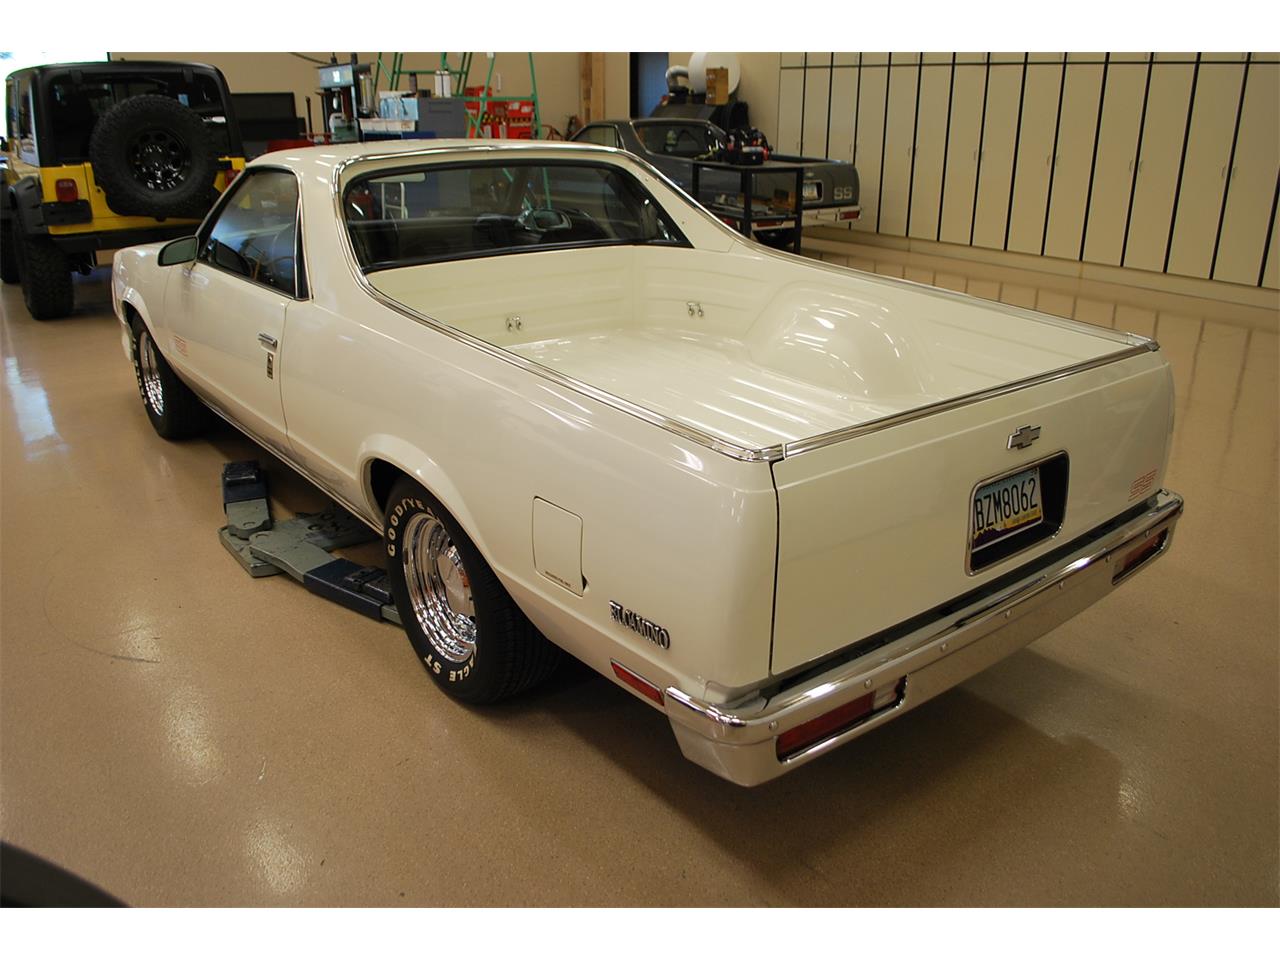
23, 128
11, 109
603, 135
255, 235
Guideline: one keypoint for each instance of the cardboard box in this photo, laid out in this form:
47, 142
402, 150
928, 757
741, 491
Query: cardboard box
718, 85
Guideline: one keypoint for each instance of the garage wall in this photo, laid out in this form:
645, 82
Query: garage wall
274, 72
1168, 163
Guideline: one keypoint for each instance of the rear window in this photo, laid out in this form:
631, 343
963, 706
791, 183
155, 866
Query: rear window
74, 107
429, 214
687, 140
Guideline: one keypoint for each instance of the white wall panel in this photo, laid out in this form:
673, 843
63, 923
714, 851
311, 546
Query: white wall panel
844, 88
1162, 139
1035, 156
1113, 172
870, 139
996, 168
899, 142
1204, 176
962, 153
817, 93
1246, 219
790, 110
931, 143
1080, 100
1055, 154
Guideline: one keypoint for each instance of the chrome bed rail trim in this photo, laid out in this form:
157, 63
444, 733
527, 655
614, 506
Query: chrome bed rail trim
718, 730
795, 447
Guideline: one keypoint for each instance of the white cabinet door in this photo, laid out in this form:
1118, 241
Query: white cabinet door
1081, 93
1246, 219
995, 167
790, 110
931, 143
1113, 170
870, 138
1162, 141
1204, 172
817, 101
899, 142
1040, 101
844, 91
960, 170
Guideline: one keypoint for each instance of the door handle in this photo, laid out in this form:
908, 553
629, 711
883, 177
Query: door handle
268, 341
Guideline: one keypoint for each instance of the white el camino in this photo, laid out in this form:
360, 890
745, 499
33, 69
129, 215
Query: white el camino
780, 501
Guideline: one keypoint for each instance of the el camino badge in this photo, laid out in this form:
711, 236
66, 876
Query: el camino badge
1023, 437
638, 624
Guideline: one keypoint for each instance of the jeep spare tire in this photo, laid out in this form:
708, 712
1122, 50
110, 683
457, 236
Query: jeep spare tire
153, 157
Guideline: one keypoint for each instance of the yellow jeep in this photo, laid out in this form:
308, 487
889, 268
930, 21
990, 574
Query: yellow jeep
99, 156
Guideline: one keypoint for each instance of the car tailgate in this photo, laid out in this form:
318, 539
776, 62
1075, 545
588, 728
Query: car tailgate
875, 529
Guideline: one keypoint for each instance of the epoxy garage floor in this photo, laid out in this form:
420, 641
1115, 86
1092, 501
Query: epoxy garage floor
178, 733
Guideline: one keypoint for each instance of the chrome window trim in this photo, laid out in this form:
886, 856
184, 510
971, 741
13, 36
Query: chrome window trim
211, 218
771, 453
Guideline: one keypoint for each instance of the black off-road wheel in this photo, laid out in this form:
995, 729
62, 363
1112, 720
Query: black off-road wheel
473, 640
174, 411
8, 255
153, 157
45, 274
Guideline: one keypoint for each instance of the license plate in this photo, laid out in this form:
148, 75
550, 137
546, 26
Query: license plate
1004, 507
811, 191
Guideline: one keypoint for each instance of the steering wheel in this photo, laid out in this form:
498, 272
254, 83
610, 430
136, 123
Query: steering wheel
542, 220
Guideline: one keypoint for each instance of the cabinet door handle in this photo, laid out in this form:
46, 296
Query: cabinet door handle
268, 341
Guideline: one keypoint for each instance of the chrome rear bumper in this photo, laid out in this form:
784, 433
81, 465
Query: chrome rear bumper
740, 743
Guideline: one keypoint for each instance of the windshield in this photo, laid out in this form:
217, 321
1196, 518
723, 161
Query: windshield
428, 214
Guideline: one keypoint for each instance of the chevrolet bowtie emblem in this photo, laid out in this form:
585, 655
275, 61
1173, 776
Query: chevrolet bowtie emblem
1023, 437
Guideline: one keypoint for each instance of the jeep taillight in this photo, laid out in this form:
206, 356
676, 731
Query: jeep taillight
66, 191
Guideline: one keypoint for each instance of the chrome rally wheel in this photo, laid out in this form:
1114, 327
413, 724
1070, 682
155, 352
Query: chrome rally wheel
468, 633
149, 373
439, 588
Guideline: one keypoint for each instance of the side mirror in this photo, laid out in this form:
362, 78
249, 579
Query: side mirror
182, 250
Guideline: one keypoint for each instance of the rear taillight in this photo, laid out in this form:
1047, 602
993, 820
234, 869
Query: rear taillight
849, 214
637, 683
230, 174
66, 191
837, 721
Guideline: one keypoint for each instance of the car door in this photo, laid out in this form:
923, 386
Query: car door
226, 310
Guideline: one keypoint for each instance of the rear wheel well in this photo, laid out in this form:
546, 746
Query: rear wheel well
382, 477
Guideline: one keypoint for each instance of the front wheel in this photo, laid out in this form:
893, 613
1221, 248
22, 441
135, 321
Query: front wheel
473, 640
174, 411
